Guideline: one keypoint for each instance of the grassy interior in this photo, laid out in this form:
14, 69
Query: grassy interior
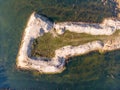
69, 10
46, 45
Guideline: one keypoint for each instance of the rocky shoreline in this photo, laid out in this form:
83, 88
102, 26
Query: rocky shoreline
108, 27
38, 25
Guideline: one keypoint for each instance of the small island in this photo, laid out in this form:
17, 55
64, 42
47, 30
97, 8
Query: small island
46, 45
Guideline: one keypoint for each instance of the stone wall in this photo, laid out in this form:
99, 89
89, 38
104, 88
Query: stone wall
38, 25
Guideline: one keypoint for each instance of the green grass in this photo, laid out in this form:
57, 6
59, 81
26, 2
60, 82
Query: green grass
47, 44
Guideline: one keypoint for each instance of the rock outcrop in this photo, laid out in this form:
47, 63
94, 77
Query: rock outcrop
112, 44
108, 27
38, 25
118, 7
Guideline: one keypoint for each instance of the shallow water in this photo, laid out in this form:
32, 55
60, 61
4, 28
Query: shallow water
88, 72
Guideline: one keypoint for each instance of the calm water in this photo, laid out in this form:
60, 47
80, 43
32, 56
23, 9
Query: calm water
89, 72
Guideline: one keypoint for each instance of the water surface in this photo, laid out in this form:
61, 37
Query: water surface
88, 72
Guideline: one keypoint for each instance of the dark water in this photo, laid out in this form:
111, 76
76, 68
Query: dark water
89, 72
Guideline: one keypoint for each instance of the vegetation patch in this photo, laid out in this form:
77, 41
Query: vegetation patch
46, 45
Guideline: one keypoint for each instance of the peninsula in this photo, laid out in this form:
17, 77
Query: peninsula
105, 37
39, 25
